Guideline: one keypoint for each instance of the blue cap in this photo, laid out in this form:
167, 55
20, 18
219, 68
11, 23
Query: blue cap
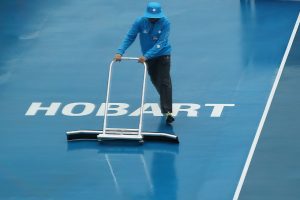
154, 10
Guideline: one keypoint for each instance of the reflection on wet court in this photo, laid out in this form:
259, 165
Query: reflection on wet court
54, 58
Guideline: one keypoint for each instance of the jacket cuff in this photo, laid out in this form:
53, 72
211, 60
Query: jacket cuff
120, 52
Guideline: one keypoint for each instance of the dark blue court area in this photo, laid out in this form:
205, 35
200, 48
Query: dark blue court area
235, 75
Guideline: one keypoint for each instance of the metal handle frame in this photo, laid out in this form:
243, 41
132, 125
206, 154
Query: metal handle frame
108, 94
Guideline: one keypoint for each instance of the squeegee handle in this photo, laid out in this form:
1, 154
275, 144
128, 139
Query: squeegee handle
129, 58
108, 94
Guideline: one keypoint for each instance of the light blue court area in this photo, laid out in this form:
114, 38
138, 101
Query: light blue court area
54, 58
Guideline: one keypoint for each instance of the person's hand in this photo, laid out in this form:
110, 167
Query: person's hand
118, 57
142, 59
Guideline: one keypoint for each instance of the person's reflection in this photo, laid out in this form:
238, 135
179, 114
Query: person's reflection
163, 169
163, 175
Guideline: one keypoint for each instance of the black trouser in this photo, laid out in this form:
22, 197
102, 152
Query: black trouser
159, 72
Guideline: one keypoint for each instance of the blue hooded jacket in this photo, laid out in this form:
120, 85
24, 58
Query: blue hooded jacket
153, 37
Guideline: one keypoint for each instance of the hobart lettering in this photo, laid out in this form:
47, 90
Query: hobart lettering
79, 109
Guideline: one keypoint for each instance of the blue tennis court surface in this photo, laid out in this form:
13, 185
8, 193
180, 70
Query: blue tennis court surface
54, 58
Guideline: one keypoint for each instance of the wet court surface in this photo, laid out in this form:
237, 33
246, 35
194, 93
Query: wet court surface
226, 54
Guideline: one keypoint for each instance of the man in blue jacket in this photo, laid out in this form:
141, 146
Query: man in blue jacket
153, 30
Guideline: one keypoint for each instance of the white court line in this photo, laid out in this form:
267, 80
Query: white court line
265, 113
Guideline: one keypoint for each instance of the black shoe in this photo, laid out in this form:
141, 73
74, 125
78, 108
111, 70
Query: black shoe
169, 118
